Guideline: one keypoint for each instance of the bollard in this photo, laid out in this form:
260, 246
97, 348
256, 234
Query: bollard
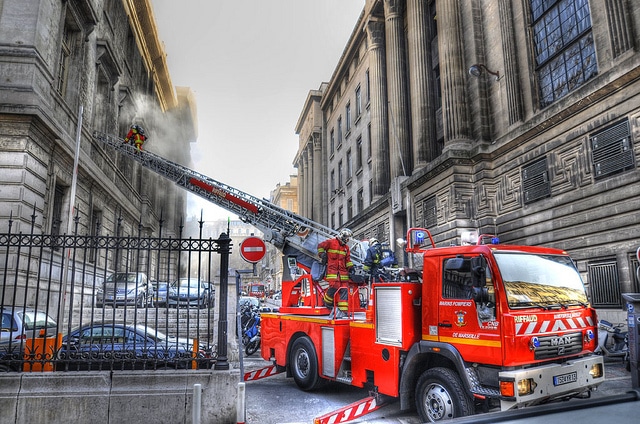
197, 402
240, 407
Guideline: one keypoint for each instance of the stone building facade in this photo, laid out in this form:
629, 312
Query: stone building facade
105, 57
514, 118
69, 68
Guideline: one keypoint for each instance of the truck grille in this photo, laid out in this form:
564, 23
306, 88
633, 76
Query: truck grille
555, 346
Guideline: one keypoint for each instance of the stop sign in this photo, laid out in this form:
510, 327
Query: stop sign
252, 249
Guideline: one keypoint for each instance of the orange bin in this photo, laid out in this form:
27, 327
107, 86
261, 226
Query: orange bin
39, 352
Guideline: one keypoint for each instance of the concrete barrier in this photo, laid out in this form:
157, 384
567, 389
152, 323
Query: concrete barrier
116, 397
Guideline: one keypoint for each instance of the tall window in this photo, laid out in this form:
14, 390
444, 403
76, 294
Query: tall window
332, 143
369, 144
68, 43
340, 180
56, 214
349, 165
349, 208
359, 153
339, 131
360, 200
358, 102
368, 86
564, 49
347, 117
333, 182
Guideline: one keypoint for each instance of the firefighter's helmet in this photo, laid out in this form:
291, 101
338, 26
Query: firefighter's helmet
373, 241
140, 130
345, 235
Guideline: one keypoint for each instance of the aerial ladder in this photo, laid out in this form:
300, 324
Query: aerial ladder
294, 235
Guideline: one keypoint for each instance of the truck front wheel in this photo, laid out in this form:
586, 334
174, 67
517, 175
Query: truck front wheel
440, 395
304, 364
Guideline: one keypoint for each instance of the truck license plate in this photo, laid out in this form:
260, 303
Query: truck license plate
559, 380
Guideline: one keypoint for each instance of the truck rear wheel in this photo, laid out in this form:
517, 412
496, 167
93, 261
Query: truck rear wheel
440, 395
304, 364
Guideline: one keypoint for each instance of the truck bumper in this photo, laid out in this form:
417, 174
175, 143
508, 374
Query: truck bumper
545, 383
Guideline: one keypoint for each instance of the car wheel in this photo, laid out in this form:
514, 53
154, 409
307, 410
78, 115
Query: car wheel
304, 364
440, 395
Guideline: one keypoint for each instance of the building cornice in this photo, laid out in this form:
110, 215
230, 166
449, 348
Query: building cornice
143, 23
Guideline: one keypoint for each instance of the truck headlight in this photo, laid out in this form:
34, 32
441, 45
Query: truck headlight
596, 371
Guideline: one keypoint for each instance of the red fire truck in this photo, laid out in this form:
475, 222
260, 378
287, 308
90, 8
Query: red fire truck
460, 329
470, 328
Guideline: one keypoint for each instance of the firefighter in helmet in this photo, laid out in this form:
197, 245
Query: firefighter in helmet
372, 265
136, 136
335, 253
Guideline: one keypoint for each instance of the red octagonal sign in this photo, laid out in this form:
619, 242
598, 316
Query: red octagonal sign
252, 249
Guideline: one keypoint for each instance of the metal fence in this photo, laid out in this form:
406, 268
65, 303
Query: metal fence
73, 302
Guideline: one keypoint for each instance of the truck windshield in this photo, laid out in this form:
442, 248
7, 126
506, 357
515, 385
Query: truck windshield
545, 281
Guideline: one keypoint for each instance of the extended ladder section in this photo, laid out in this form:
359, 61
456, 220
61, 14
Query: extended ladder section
292, 234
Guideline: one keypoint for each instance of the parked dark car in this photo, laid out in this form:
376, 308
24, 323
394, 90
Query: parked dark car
190, 292
125, 288
19, 325
115, 346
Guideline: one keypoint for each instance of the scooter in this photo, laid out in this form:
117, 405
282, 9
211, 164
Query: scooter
612, 341
250, 330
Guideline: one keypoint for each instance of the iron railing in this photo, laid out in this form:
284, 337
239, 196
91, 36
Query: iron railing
62, 311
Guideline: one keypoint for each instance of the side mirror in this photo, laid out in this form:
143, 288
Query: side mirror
480, 294
478, 271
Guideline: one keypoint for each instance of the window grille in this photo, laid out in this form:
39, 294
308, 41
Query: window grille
611, 150
535, 181
604, 284
429, 213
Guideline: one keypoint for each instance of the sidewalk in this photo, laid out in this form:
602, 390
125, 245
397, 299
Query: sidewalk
617, 378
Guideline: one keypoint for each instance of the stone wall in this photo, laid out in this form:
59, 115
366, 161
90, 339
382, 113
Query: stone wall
118, 397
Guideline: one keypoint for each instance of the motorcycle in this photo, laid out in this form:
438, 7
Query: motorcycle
612, 341
250, 321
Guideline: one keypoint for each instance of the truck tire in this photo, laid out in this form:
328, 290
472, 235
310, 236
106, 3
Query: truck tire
304, 364
440, 395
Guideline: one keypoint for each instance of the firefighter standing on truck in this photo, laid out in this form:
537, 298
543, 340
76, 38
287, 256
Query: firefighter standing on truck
136, 136
372, 265
335, 253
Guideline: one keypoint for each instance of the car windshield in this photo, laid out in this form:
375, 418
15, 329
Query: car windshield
189, 283
540, 280
122, 277
119, 284
35, 320
159, 336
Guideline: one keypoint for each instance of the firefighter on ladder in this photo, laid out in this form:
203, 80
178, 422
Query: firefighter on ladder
136, 136
336, 255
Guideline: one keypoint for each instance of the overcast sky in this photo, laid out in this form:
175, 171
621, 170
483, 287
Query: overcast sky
251, 64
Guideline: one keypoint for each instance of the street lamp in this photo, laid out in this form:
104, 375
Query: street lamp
477, 70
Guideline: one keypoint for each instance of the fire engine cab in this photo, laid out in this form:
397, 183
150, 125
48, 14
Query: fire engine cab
470, 328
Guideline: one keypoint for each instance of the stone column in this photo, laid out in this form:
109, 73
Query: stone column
455, 114
317, 190
378, 108
301, 185
399, 145
510, 74
309, 184
423, 131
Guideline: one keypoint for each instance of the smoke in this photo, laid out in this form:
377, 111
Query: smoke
169, 133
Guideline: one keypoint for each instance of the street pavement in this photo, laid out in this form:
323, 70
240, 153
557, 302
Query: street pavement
277, 399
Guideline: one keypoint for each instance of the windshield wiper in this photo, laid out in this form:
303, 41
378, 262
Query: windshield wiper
574, 302
534, 304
